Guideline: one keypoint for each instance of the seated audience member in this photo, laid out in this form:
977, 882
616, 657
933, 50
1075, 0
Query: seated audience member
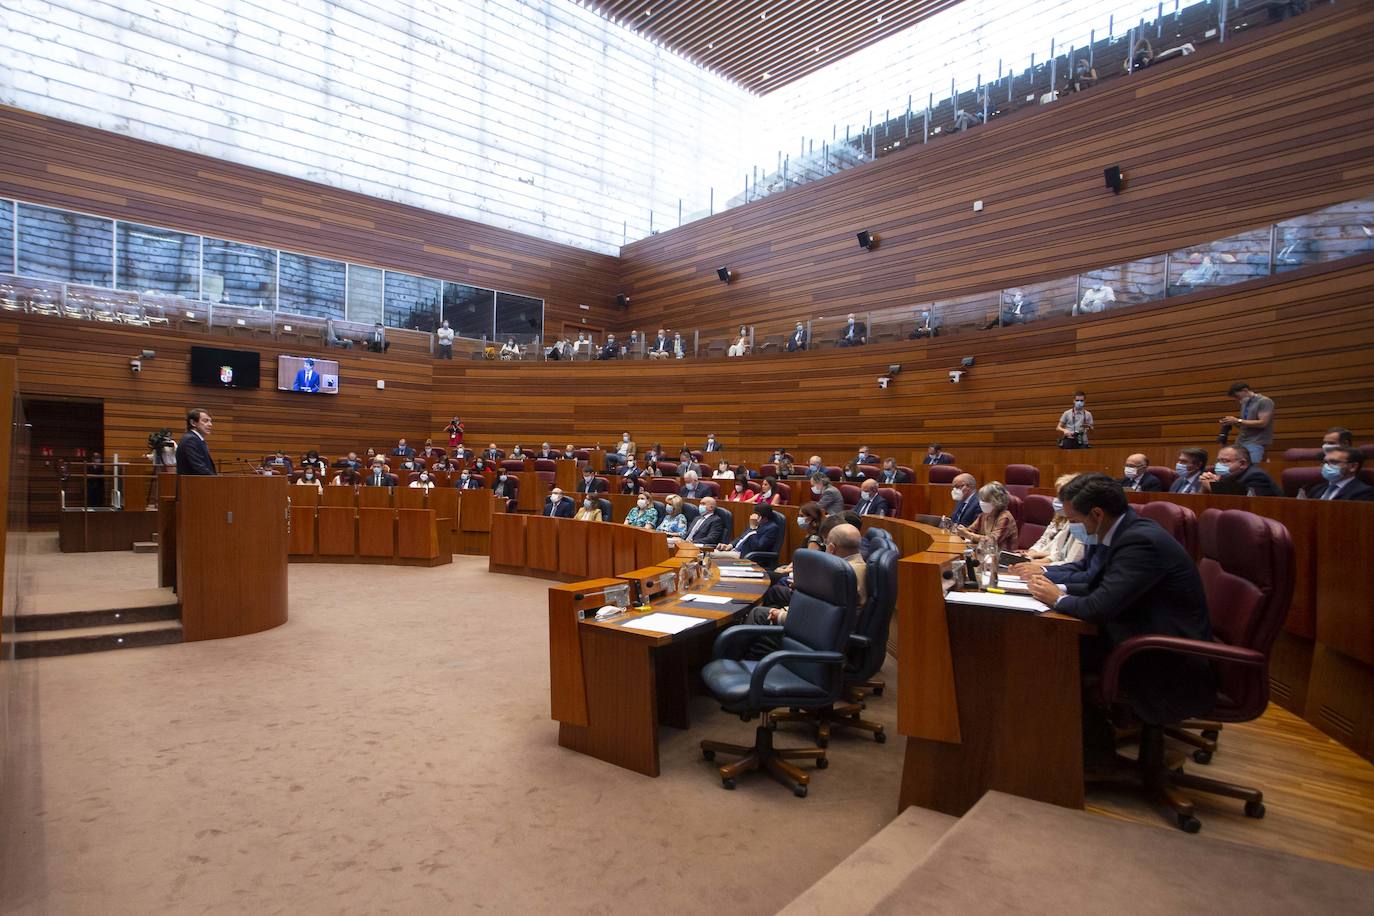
423, 482
712, 443
1337, 436
652, 457
784, 469
279, 462
590, 483
1233, 474
1341, 477
679, 349
864, 456
631, 348
871, 502
312, 459
569, 453
590, 510
660, 346
468, 480
369, 456
814, 465
625, 449
493, 453
1084, 76
517, 453
443, 464
926, 326
708, 529
692, 487
739, 492
376, 341
1056, 545
609, 350
1145, 584
632, 477
643, 515
843, 540
811, 520
798, 340
509, 349
763, 534
346, 478
964, 492
561, 349
462, 453
480, 465
380, 476
852, 474
546, 452
673, 522
778, 455
892, 474
582, 345
506, 485
741, 344
769, 492
935, 455
430, 451
402, 450
685, 462
557, 505
994, 518
409, 464
1189, 467
1017, 310
1138, 476
854, 333
743, 473
350, 462
723, 471
309, 479
826, 493
1096, 298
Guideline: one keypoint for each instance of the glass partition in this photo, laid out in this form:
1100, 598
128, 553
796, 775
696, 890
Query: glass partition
1032, 301
236, 274
1123, 284
470, 311
157, 260
7, 236
519, 319
1223, 262
365, 286
1336, 232
408, 299
311, 286
58, 245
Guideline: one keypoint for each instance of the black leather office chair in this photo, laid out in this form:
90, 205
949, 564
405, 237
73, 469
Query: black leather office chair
807, 673
867, 649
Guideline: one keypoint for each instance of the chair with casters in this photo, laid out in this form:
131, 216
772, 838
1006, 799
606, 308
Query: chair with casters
867, 650
1247, 570
806, 673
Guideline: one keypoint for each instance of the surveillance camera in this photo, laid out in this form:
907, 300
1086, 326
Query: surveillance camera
884, 381
135, 366
955, 375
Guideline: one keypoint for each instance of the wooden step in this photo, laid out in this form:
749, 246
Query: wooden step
70, 610
145, 546
74, 641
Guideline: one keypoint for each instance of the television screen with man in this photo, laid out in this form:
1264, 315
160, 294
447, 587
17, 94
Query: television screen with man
307, 374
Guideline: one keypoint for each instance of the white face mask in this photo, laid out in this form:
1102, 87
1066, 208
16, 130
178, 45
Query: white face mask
556, 497
1078, 404
586, 503
801, 521
1131, 472
986, 506
465, 476
424, 478
643, 504
957, 495
817, 490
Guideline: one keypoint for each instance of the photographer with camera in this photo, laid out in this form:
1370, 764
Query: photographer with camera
1075, 423
1256, 421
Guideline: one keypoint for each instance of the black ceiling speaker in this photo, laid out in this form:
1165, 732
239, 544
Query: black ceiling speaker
867, 240
622, 300
1114, 177
724, 274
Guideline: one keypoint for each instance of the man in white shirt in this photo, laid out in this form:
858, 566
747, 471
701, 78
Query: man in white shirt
445, 336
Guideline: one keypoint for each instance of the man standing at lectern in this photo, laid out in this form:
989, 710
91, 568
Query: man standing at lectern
193, 455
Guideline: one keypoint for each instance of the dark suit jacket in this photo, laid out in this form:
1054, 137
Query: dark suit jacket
876, 506
941, 458
563, 510
696, 492
898, 476
508, 488
1148, 584
765, 537
1356, 490
796, 342
595, 485
1180, 482
1241, 485
406, 452
966, 511
193, 456
1079, 572
1144, 483
472, 483
712, 447
661, 345
388, 480
711, 532
860, 332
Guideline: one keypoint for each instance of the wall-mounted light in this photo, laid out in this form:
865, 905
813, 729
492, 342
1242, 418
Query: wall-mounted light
725, 274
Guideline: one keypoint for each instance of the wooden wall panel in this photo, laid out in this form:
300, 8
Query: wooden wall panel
1275, 123
47, 161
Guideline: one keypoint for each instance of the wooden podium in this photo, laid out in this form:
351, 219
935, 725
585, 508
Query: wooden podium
226, 541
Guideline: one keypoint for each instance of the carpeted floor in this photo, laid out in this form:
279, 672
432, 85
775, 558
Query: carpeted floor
389, 750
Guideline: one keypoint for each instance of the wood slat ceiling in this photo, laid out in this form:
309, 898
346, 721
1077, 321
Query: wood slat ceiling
765, 44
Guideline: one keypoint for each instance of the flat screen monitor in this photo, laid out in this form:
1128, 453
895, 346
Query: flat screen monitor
218, 368
308, 374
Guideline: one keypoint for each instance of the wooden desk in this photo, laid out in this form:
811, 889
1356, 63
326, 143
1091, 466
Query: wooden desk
611, 686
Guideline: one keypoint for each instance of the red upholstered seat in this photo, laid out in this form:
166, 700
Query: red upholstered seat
667, 468
851, 494
1014, 506
1294, 479
1036, 514
786, 490
1166, 476
894, 499
1367, 450
872, 459
712, 487
943, 473
545, 464
1179, 521
546, 476
664, 485
768, 470
871, 471
1020, 478
1303, 454
513, 464
582, 454
834, 472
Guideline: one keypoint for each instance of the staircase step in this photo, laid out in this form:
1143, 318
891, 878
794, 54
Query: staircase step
47, 643
145, 546
70, 610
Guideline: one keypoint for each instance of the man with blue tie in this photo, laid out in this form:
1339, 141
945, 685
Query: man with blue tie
307, 379
1191, 463
964, 492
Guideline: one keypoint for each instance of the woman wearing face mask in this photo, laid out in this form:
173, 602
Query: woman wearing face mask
347, 477
740, 492
785, 469
852, 474
810, 517
479, 465
589, 510
996, 521
423, 482
310, 479
674, 522
643, 515
770, 493
723, 471
1056, 545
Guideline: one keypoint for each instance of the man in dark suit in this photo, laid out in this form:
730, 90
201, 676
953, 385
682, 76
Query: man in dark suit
854, 334
926, 326
1234, 475
711, 444
1145, 584
379, 476
376, 341
708, 529
763, 533
193, 455
590, 483
798, 340
493, 453
935, 456
661, 346
307, 379
279, 461
1341, 470
402, 450
1138, 476
864, 456
611, 350
692, 488
557, 505
546, 452
469, 481
964, 491
892, 474
1192, 462
872, 502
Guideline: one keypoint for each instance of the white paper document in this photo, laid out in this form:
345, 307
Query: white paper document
659, 622
743, 573
1005, 602
707, 599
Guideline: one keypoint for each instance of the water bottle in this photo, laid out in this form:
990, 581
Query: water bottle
987, 562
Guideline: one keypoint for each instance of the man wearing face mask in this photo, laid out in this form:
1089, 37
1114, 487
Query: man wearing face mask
871, 502
591, 484
1138, 476
964, 492
763, 533
379, 476
1189, 467
633, 478
469, 481
1075, 423
798, 339
826, 493
1336, 437
691, 487
1256, 420
1145, 584
843, 541
892, 474
625, 450
855, 334
712, 444
557, 505
1341, 477
1235, 476
709, 528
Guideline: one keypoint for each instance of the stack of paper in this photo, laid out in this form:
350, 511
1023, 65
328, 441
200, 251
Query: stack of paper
1004, 602
741, 572
660, 622
706, 599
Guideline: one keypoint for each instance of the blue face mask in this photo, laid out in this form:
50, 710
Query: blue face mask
1182, 469
1220, 469
1331, 472
1058, 505
1079, 532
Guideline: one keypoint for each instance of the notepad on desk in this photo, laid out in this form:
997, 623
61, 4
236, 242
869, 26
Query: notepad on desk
1001, 602
706, 599
742, 572
660, 622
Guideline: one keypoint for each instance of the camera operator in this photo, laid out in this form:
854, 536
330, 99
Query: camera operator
1075, 423
1256, 421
